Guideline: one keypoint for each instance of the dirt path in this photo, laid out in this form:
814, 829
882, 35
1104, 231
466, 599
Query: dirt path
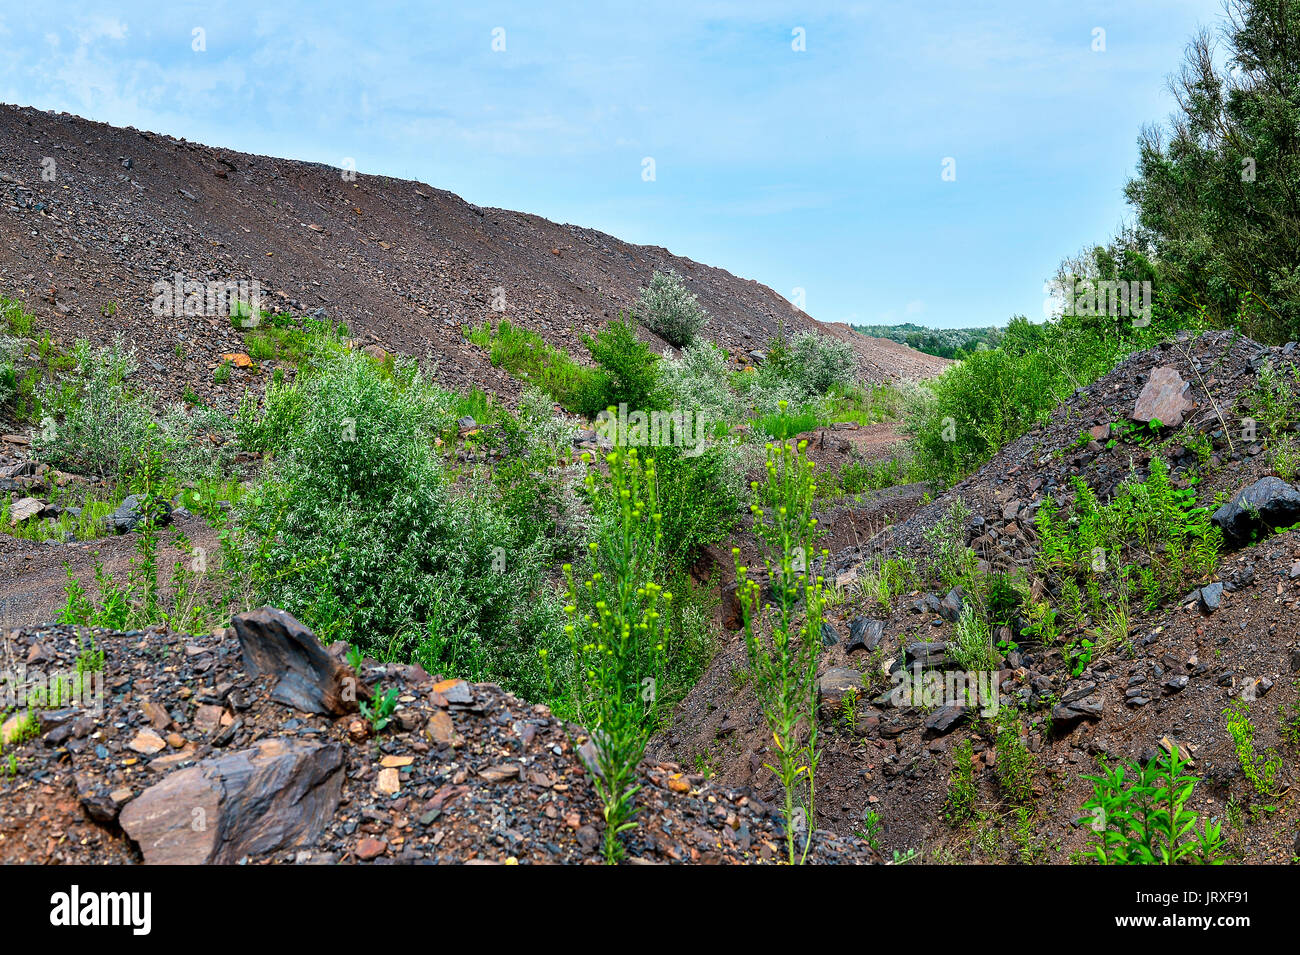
33, 576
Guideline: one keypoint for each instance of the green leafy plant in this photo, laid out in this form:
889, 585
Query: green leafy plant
1015, 764
616, 639
1141, 816
782, 646
380, 711
870, 832
1260, 769
1288, 721
959, 807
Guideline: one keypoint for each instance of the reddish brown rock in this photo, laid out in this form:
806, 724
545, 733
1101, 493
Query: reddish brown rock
147, 742
1164, 398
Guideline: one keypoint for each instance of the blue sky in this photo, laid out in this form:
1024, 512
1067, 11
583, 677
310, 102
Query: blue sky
817, 169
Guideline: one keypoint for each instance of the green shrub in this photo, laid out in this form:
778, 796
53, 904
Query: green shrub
11, 355
963, 417
627, 373
103, 423
670, 310
106, 424
818, 363
18, 322
697, 382
354, 530
971, 644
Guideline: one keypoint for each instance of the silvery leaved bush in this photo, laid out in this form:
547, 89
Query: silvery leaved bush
671, 310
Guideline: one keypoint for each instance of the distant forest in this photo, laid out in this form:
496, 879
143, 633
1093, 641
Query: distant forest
944, 342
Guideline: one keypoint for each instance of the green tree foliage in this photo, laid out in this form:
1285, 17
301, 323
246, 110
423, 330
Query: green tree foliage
1216, 190
628, 371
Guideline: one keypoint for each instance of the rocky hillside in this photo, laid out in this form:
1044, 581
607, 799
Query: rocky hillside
91, 216
1167, 683
247, 746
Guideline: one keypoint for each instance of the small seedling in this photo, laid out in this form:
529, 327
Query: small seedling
380, 713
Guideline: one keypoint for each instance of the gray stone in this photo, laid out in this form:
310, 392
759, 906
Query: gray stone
273, 642
1210, 596
130, 513
24, 510
1267, 504
950, 606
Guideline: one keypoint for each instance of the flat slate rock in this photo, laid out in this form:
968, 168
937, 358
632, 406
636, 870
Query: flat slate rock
864, 634
1068, 714
278, 794
944, 719
836, 681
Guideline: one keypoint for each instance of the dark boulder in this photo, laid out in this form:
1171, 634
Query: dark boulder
1066, 715
130, 513
1259, 509
310, 679
864, 634
944, 720
929, 655
1210, 597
